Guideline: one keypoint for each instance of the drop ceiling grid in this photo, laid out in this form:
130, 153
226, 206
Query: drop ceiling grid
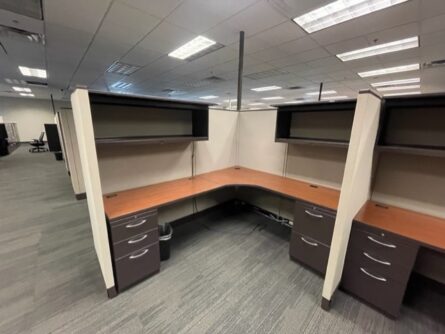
273, 42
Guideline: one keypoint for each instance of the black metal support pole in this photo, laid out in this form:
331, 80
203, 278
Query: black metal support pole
240, 70
319, 92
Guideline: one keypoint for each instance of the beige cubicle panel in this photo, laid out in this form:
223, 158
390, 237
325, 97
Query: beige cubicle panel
88, 157
355, 189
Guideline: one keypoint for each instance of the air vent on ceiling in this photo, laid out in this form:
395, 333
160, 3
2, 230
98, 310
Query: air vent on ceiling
265, 74
434, 63
36, 83
294, 87
122, 68
31, 8
206, 51
205, 82
15, 81
22, 35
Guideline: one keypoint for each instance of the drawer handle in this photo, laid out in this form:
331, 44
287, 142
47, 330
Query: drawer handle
135, 256
381, 279
313, 214
309, 242
381, 243
386, 263
135, 241
136, 224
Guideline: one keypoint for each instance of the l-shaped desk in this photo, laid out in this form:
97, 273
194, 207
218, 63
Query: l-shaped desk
382, 251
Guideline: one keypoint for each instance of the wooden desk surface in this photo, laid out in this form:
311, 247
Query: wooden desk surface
134, 200
425, 229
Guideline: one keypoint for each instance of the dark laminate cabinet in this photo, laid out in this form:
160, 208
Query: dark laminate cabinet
315, 123
378, 266
126, 119
134, 242
311, 236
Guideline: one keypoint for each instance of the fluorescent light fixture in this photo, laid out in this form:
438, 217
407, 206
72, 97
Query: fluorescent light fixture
390, 70
396, 82
256, 104
190, 48
403, 44
326, 92
233, 100
27, 94
340, 11
273, 98
332, 98
32, 72
404, 93
388, 89
22, 89
266, 88
121, 85
294, 102
208, 97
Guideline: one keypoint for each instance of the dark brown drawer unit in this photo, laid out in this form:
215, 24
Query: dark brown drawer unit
134, 242
378, 266
311, 236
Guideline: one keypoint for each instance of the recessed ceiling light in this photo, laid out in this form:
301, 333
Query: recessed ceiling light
190, 48
273, 98
266, 88
326, 92
256, 104
208, 97
396, 82
332, 98
294, 102
388, 89
405, 93
33, 72
27, 94
403, 44
389, 70
121, 85
340, 11
22, 89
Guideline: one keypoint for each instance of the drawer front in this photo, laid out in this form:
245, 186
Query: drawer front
136, 266
131, 228
314, 222
384, 247
377, 290
309, 252
133, 217
134, 243
378, 265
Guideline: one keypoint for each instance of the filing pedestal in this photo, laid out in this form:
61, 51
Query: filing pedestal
311, 236
134, 242
378, 266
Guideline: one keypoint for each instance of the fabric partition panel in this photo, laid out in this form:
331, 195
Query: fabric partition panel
72, 155
88, 157
355, 190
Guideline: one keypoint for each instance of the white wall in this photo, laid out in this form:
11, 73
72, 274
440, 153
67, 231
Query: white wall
29, 114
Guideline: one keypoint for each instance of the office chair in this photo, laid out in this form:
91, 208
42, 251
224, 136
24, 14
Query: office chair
38, 144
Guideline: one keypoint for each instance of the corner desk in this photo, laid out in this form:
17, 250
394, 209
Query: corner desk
382, 250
